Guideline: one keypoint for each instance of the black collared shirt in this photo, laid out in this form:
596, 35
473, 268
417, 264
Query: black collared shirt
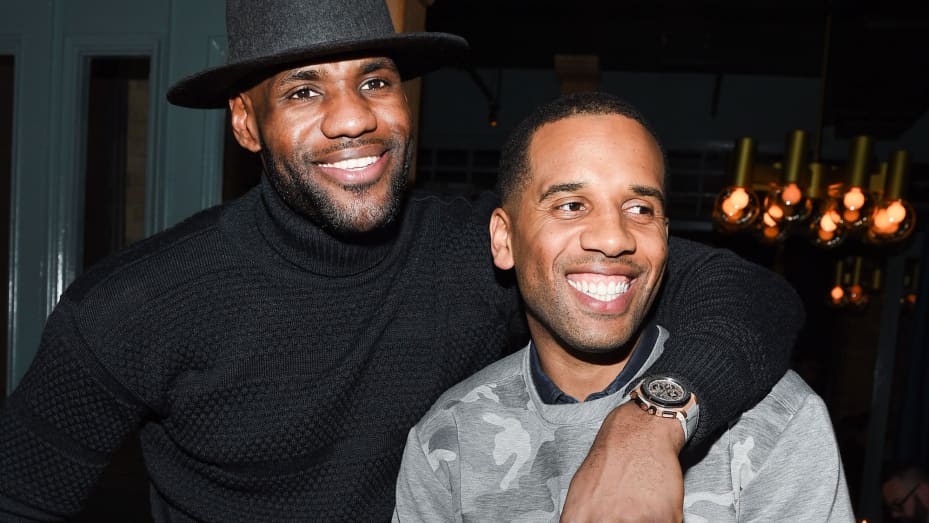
552, 395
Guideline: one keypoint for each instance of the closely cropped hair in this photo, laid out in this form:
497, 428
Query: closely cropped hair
514, 157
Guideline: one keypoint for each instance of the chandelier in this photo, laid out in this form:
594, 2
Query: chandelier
827, 204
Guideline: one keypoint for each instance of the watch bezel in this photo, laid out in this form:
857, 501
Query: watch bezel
686, 412
651, 393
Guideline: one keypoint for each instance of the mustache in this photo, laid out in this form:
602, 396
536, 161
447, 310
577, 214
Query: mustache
350, 143
624, 261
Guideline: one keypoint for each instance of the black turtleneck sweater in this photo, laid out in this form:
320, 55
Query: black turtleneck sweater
273, 371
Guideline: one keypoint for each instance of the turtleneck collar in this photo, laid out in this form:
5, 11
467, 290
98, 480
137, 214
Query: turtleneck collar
304, 244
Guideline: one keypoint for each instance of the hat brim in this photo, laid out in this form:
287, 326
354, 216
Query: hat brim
414, 53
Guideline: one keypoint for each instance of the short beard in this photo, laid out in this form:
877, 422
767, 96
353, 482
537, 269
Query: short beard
291, 180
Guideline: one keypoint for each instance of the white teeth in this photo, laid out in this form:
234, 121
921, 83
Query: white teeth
352, 163
601, 291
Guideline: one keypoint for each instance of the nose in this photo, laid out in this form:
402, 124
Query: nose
347, 114
606, 232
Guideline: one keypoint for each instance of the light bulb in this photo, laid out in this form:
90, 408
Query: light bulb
851, 216
891, 221
791, 194
837, 295
882, 224
856, 208
857, 296
788, 204
896, 211
826, 226
736, 208
775, 213
736, 201
856, 203
854, 199
771, 230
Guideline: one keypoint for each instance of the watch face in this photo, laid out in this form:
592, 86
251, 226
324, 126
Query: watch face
666, 392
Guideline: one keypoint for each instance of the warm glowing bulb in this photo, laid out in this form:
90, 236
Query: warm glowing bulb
732, 212
827, 223
775, 212
855, 293
883, 224
769, 220
896, 212
891, 221
770, 233
825, 235
837, 293
833, 216
735, 202
791, 194
736, 207
851, 215
853, 199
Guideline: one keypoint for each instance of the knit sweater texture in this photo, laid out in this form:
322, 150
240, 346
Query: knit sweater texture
273, 371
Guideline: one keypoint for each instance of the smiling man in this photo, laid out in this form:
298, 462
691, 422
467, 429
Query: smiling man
583, 225
272, 352
297, 120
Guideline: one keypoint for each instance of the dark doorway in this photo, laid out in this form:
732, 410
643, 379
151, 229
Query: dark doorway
114, 217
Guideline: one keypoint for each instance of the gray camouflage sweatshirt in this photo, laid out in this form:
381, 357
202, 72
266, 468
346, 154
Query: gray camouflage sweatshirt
490, 450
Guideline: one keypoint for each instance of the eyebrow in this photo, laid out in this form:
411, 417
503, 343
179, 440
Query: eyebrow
639, 190
647, 191
300, 75
378, 64
310, 74
560, 188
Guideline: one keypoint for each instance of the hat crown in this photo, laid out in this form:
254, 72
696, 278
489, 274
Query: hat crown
259, 28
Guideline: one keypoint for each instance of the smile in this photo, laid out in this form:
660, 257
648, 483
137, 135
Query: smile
352, 163
601, 290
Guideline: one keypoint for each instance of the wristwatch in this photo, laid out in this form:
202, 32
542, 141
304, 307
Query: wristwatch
669, 398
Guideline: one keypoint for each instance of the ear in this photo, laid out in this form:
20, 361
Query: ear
500, 245
244, 124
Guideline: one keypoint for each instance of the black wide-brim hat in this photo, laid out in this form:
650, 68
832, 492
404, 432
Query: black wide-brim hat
269, 36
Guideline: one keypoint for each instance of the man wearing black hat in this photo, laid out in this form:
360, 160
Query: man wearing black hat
274, 351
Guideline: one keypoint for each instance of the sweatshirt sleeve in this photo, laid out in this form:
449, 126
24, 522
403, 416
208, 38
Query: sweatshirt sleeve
802, 478
60, 427
733, 325
424, 488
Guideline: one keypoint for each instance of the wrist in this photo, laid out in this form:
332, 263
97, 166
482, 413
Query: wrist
668, 398
667, 430
628, 426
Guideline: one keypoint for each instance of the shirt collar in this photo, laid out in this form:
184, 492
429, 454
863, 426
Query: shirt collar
552, 395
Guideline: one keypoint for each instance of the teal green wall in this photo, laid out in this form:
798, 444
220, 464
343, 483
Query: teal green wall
51, 42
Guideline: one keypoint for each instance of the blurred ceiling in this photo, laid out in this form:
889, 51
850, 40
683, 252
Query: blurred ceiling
877, 53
